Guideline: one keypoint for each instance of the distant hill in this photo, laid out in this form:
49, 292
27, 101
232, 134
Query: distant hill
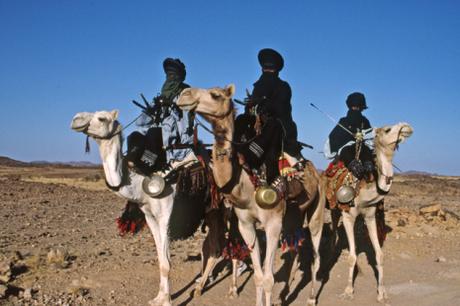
415, 172
6, 161
77, 164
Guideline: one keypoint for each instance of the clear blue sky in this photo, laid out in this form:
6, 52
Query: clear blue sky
61, 57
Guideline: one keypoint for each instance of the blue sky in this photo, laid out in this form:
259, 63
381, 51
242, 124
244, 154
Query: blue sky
61, 57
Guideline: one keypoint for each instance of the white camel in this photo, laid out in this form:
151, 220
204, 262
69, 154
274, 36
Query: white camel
104, 128
215, 105
386, 142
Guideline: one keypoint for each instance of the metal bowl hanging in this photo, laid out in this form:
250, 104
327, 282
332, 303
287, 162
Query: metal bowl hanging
345, 194
266, 197
153, 185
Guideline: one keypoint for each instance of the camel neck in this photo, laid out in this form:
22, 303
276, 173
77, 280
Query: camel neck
111, 156
222, 150
385, 169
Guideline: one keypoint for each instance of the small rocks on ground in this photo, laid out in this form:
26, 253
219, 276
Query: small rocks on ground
441, 259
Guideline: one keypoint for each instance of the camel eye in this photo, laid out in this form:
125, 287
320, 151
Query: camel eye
387, 130
215, 95
102, 119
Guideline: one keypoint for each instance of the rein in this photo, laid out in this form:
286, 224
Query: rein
230, 111
118, 131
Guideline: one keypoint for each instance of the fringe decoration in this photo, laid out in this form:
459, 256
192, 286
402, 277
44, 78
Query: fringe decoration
235, 249
131, 221
292, 242
214, 192
192, 180
87, 148
332, 168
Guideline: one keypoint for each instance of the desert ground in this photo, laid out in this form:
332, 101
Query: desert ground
59, 245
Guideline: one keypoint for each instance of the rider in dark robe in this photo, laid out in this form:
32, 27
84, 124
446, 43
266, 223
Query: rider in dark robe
274, 96
343, 143
271, 100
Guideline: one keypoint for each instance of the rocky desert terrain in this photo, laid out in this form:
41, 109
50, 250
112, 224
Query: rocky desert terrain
59, 245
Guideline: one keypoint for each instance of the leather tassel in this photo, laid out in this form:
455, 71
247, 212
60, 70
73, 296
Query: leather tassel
87, 148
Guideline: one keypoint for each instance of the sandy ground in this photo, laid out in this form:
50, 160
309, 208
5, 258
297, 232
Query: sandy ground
59, 246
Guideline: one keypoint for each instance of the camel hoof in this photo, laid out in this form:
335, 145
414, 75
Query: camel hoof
232, 293
278, 302
347, 294
161, 300
382, 296
311, 302
197, 292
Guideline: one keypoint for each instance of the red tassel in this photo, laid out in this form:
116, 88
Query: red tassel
283, 163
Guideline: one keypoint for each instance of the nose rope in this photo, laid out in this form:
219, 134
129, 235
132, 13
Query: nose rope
118, 131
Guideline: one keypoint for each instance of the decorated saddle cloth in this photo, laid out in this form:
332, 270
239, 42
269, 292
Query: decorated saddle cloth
191, 179
336, 174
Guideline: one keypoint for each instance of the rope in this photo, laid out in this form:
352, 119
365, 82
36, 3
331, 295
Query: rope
358, 144
134, 120
236, 143
87, 146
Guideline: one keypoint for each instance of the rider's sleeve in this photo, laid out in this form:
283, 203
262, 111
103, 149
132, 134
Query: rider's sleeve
338, 136
144, 122
182, 127
177, 134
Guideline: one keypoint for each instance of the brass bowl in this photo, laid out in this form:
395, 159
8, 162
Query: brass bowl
266, 197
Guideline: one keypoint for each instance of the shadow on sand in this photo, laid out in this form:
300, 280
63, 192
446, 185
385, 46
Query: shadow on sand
330, 253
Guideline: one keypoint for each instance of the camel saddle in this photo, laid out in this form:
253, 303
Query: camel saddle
336, 173
295, 190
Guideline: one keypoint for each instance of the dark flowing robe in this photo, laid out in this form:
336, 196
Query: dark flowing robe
274, 96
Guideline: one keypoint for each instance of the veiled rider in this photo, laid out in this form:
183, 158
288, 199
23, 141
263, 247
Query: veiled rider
347, 141
271, 101
163, 125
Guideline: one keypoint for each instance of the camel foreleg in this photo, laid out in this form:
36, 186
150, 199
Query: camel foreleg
158, 225
210, 264
348, 223
248, 232
372, 229
233, 290
272, 231
315, 226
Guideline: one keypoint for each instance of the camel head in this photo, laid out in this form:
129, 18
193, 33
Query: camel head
389, 137
102, 124
213, 103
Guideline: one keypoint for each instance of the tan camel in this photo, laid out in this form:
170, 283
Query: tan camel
386, 142
104, 128
215, 105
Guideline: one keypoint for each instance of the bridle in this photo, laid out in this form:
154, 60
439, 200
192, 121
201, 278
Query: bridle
118, 130
219, 117
389, 178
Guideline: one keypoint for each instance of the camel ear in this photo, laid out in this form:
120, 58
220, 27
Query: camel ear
230, 90
114, 114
